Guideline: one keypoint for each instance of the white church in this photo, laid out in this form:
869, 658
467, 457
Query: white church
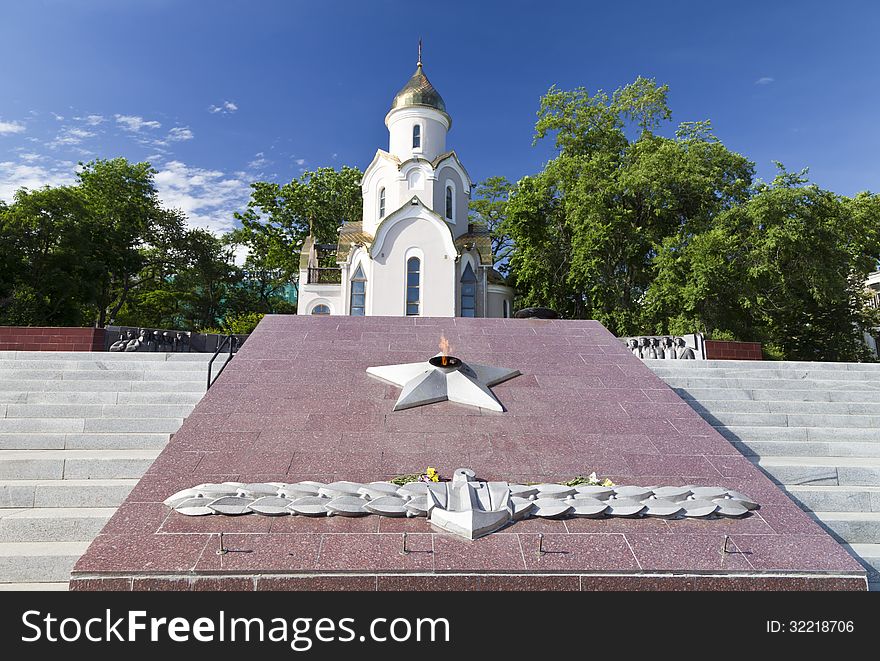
413, 252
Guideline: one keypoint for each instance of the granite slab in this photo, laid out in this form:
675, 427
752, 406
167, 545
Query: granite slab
296, 403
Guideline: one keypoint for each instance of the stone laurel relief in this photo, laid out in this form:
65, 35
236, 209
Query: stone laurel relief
466, 506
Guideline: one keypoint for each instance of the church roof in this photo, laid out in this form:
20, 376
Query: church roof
419, 91
477, 238
350, 234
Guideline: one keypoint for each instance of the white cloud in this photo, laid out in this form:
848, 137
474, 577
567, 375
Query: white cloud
764, 80
30, 157
226, 108
94, 120
260, 161
207, 197
7, 128
135, 123
58, 117
70, 136
300, 161
25, 175
180, 134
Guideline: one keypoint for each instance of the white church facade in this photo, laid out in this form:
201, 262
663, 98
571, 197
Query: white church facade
413, 252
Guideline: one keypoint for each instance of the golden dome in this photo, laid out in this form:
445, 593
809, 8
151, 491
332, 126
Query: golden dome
419, 91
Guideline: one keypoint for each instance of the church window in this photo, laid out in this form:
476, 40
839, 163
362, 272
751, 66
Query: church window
321, 309
413, 286
417, 136
468, 292
506, 309
358, 293
381, 203
450, 200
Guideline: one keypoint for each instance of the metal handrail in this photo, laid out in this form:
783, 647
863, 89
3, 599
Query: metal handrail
232, 340
324, 276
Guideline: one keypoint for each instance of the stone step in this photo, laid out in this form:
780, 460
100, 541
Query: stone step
775, 395
869, 556
727, 419
95, 398
118, 441
842, 471
769, 365
132, 425
808, 448
159, 375
172, 398
714, 406
103, 365
119, 385
836, 498
95, 410
819, 376
53, 524
691, 381
851, 527
74, 464
89, 425
135, 357
65, 493
32, 441
28, 562
818, 434
34, 587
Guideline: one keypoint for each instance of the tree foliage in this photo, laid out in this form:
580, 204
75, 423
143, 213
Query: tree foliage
105, 251
489, 207
649, 233
279, 217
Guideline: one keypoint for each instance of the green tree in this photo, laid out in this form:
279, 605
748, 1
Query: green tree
279, 217
787, 267
45, 252
587, 229
489, 207
131, 231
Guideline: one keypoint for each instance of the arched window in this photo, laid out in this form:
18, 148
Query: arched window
468, 292
450, 202
506, 309
417, 136
381, 203
321, 309
358, 293
413, 286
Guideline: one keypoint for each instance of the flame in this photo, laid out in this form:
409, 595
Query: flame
444, 349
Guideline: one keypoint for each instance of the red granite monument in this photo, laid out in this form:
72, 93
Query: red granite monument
297, 404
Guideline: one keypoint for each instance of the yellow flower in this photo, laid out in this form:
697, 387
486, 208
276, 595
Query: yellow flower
435, 478
430, 472
607, 483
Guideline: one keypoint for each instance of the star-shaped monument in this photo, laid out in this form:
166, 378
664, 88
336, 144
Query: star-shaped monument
444, 378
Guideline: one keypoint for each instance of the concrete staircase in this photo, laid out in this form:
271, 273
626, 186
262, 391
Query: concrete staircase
813, 427
77, 430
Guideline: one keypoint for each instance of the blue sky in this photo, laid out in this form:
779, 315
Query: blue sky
217, 94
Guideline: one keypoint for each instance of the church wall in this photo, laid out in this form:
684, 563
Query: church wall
445, 175
400, 126
497, 295
416, 181
312, 295
437, 270
383, 175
